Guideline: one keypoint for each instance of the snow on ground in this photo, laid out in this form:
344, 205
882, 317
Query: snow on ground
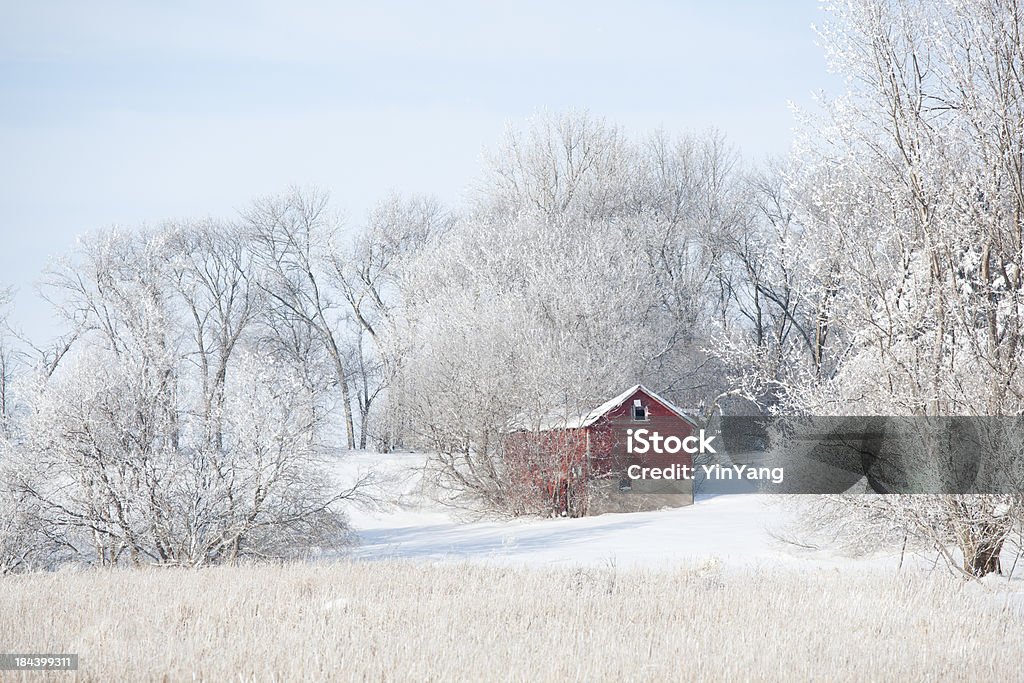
738, 530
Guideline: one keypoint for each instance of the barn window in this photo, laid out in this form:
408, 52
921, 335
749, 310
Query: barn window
639, 411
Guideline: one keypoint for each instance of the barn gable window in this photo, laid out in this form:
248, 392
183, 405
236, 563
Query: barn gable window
639, 411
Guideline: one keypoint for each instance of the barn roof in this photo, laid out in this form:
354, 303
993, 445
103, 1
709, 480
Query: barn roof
610, 405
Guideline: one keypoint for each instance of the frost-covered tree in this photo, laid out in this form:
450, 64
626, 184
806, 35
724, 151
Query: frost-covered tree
105, 460
292, 236
371, 271
7, 363
170, 431
26, 541
587, 262
908, 194
210, 267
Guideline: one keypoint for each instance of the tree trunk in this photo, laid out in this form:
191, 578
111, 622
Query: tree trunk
983, 558
345, 398
364, 420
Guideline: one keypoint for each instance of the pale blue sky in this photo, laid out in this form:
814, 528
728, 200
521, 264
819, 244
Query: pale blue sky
131, 112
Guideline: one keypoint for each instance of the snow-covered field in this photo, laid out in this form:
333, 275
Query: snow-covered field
736, 530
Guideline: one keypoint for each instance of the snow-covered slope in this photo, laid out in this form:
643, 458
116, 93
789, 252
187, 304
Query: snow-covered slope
736, 529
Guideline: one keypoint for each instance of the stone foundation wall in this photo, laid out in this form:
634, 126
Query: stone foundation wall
604, 495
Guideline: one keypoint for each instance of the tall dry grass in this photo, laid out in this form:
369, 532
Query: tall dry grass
418, 622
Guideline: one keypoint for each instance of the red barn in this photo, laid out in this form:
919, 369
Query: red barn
584, 464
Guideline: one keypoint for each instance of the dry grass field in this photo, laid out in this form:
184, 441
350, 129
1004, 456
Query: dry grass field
442, 622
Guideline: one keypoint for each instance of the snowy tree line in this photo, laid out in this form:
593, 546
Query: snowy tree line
209, 366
